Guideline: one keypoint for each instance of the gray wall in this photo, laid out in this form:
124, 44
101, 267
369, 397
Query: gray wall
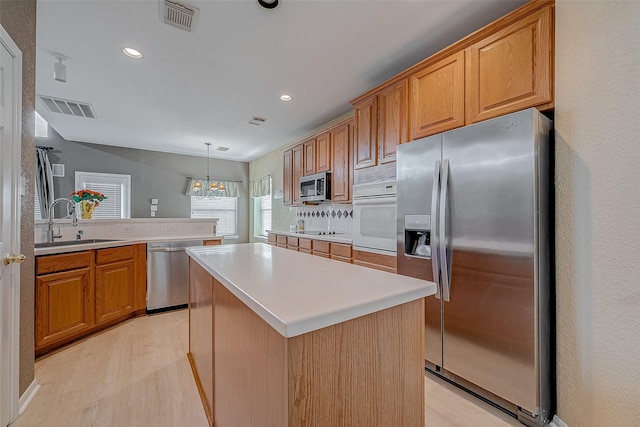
155, 175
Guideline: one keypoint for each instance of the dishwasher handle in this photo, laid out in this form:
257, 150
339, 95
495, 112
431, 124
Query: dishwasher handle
166, 249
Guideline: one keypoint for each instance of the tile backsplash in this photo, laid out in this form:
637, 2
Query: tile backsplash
334, 217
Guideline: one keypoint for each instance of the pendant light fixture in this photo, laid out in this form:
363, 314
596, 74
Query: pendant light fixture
208, 189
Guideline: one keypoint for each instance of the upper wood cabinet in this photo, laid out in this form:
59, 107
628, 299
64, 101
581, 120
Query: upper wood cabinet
511, 69
296, 173
342, 163
393, 120
309, 157
437, 97
366, 133
323, 152
287, 171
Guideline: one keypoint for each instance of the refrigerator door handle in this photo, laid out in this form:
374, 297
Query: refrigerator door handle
442, 232
435, 264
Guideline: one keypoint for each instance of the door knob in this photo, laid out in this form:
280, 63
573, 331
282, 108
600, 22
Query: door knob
18, 259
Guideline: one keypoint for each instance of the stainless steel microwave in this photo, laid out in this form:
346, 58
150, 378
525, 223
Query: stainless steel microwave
315, 188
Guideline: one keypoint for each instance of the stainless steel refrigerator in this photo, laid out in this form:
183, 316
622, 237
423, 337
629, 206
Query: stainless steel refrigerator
474, 216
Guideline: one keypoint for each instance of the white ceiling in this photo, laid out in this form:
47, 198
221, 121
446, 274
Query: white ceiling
204, 86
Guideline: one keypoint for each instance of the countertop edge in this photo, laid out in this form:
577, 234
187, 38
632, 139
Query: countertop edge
116, 243
305, 325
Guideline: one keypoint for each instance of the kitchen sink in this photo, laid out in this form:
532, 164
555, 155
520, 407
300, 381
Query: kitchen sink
72, 243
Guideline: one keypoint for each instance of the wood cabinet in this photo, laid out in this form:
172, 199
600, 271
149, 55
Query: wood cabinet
393, 120
80, 292
292, 243
376, 261
342, 169
341, 252
503, 67
212, 242
271, 238
323, 152
287, 177
365, 115
511, 69
64, 299
297, 154
309, 157
437, 97
114, 284
321, 248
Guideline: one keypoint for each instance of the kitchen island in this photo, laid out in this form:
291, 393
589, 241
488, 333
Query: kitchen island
281, 338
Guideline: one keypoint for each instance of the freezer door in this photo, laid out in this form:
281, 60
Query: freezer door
415, 172
490, 321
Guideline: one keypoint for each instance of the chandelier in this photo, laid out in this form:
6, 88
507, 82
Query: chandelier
208, 189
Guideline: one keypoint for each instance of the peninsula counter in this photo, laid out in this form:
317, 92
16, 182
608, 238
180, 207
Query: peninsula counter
281, 338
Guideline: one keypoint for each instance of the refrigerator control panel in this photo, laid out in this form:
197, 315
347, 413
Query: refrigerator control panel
417, 222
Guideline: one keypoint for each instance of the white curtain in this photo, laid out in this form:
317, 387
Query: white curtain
261, 187
230, 187
44, 181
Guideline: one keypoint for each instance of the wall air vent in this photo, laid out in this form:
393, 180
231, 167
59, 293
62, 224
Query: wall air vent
257, 121
179, 15
67, 107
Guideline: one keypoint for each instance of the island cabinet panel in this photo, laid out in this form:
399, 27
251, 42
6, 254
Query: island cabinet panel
201, 333
287, 177
437, 97
64, 306
511, 69
250, 376
348, 374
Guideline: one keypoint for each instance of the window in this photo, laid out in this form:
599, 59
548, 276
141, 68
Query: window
116, 187
224, 208
262, 212
261, 194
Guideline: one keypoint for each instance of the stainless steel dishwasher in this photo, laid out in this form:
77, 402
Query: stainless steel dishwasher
168, 275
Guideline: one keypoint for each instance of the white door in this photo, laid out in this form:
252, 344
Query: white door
10, 132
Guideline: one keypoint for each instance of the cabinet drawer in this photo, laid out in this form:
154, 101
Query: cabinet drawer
321, 246
272, 239
281, 239
106, 256
341, 250
306, 251
62, 262
215, 242
304, 244
292, 242
341, 258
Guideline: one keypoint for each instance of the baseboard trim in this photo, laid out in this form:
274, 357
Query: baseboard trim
557, 422
28, 395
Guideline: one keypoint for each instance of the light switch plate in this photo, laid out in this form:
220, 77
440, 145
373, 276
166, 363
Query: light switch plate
154, 201
153, 213
154, 208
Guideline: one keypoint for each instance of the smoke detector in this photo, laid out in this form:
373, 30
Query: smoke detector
180, 15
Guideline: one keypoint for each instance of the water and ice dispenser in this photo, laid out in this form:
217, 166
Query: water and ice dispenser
417, 236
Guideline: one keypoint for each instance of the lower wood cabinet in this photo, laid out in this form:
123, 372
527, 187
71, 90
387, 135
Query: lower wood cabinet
80, 292
377, 261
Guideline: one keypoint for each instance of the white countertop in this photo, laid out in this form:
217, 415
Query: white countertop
338, 238
297, 293
117, 242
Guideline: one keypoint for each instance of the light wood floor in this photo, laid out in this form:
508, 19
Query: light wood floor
137, 374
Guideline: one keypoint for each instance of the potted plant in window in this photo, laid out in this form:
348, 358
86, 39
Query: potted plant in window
89, 200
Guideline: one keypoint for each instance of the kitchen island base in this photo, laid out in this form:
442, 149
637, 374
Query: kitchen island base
367, 371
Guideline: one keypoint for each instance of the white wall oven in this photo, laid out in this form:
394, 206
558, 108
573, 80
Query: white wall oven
374, 217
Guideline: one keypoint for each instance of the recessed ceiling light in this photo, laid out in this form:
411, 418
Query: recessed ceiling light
132, 53
285, 97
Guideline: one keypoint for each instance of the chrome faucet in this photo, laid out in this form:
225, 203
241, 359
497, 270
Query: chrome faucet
71, 213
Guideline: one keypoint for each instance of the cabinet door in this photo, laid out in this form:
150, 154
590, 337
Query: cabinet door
64, 306
511, 69
323, 152
297, 155
309, 157
437, 97
365, 144
287, 174
393, 120
114, 291
340, 176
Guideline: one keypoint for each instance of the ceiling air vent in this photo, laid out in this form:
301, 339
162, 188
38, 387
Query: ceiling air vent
257, 121
221, 148
70, 108
180, 15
